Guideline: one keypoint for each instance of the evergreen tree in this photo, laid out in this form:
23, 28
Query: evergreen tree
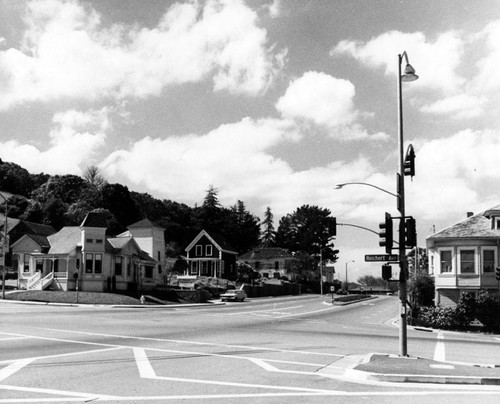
268, 235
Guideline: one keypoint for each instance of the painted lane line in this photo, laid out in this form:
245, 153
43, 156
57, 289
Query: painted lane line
81, 397
440, 351
148, 371
13, 368
309, 312
63, 354
198, 343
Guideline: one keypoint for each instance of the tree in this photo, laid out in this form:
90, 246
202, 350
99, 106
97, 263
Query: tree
116, 198
268, 235
94, 177
241, 228
369, 280
17, 206
309, 229
420, 285
307, 233
210, 216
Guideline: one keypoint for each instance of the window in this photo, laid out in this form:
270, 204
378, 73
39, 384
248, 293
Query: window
467, 261
276, 265
98, 264
445, 257
118, 266
129, 270
39, 265
26, 263
158, 254
148, 272
99, 241
208, 250
199, 251
488, 260
89, 240
89, 263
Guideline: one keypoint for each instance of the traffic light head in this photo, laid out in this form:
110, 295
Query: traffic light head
386, 272
410, 232
409, 164
386, 234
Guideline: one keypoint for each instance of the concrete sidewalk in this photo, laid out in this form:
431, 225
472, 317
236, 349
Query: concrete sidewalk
393, 368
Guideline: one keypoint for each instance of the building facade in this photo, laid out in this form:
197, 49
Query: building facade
463, 257
84, 256
211, 255
271, 262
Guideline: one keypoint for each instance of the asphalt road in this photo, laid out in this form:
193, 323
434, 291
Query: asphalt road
262, 350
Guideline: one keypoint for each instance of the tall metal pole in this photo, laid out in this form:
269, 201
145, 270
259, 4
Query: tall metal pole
5, 247
403, 349
321, 270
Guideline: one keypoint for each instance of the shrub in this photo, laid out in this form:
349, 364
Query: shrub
488, 311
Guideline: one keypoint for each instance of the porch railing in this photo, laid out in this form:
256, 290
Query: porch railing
34, 279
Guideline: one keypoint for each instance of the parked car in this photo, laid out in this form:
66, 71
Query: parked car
236, 295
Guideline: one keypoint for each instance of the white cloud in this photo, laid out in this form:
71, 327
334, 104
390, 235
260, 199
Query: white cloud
68, 52
436, 62
74, 141
326, 101
455, 174
460, 106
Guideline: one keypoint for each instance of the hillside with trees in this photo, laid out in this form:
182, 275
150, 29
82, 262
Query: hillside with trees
64, 200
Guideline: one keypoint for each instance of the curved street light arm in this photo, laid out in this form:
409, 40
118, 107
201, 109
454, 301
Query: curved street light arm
339, 186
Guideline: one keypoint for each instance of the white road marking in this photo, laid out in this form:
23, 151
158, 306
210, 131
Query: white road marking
440, 351
176, 341
13, 368
82, 397
147, 371
239, 313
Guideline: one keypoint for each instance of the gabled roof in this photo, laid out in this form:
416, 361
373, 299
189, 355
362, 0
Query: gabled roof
476, 226
42, 241
65, 240
266, 253
27, 227
120, 242
144, 223
94, 219
218, 240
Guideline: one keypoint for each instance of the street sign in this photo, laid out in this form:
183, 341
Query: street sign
381, 258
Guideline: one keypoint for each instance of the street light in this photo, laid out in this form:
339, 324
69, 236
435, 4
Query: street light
408, 75
340, 186
347, 283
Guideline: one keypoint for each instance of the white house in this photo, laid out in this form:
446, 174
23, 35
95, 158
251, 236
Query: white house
463, 257
85, 255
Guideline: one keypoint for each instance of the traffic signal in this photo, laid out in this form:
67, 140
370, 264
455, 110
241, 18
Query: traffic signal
410, 232
333, 228
497, 274
409, 164
386, 238
386, 272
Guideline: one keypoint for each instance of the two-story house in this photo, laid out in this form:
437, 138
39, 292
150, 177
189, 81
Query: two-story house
271, 262
84, 256
211, 255
463, 257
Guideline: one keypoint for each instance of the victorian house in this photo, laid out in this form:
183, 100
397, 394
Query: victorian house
84, 257
463, 257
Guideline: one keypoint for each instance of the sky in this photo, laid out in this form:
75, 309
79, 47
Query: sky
272, 102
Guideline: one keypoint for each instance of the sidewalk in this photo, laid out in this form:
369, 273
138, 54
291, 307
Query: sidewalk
393, 368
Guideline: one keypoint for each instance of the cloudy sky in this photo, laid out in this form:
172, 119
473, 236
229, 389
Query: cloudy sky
271, 102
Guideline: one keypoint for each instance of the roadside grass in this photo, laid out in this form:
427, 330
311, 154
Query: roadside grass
47, 296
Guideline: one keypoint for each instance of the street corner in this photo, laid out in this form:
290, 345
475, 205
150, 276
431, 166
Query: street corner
401, 369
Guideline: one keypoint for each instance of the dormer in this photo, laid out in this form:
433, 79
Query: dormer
93, 232
494, 216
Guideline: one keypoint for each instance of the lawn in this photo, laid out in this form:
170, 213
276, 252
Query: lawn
70, 297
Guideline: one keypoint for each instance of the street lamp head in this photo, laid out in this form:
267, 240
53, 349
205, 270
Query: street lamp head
339, 186
409, 74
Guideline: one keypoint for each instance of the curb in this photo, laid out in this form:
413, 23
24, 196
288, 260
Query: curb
407, 378
346, 367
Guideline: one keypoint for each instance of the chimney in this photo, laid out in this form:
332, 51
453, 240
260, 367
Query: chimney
469, 214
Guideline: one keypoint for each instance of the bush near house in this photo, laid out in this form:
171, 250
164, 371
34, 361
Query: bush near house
485, 308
